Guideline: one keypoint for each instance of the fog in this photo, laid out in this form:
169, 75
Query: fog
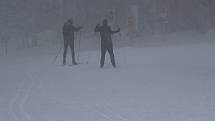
107, 60
22, 18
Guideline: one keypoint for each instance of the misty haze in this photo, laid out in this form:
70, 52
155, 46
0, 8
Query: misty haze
107, 60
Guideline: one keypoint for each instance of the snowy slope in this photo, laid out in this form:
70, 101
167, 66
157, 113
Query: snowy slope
174, 83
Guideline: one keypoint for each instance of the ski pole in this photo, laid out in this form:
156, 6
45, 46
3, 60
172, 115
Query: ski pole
6, 47
79, 45
57, 55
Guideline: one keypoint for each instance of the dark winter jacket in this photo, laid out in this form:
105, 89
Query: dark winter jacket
69, 31
105, 33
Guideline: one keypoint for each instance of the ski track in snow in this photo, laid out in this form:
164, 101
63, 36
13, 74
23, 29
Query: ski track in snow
17, 104
109, 113
118, 115
11, 107
26, 97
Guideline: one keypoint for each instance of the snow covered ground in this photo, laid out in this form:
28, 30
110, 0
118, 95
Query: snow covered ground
162, 83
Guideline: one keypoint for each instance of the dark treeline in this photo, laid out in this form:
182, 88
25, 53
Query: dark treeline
24, 17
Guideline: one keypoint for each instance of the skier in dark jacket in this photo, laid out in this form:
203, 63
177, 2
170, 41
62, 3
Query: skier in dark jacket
106, 41
69, 35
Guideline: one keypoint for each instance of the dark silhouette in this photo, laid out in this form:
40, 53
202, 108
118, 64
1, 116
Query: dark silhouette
106, 42
69, 35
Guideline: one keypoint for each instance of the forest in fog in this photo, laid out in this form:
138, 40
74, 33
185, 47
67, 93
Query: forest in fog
20, 18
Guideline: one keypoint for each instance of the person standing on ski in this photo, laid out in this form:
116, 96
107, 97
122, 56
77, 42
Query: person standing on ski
106, 42
69, 36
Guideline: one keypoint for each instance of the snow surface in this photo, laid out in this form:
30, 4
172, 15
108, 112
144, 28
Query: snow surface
161, 83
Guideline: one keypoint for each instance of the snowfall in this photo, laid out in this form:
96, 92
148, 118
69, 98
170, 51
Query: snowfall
158, 78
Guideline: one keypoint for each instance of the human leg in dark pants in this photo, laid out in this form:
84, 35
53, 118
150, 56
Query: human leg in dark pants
103, 52
110, 51
71, 44
66, 44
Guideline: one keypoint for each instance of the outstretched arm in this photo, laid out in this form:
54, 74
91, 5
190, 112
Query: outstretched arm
116, 31
97, 29
76, 29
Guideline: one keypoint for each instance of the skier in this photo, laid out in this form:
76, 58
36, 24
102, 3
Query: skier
69, 35
106, 41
